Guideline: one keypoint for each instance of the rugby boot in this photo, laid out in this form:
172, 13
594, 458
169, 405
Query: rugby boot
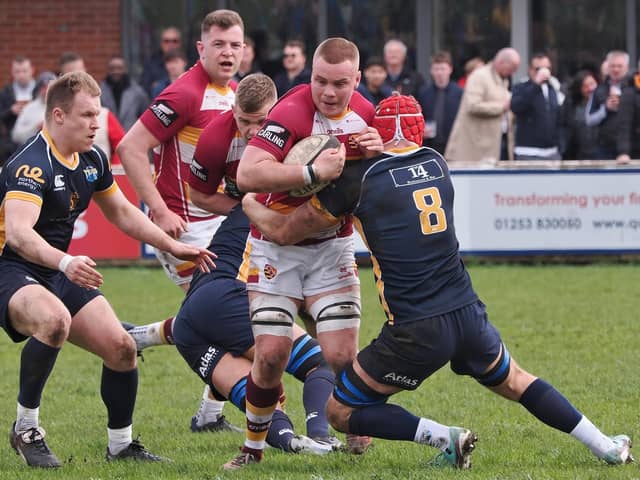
621, 452
30, 445
220, 425
303, 444
458, 453
134, 451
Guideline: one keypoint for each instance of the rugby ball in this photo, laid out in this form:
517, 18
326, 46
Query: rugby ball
304, 153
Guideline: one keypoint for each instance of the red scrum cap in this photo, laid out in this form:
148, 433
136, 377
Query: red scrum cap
398, 117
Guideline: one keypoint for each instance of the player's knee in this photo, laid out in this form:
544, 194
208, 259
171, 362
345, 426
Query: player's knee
338, 415
306, 355
54, 327
122, 352
336, 312
272, 360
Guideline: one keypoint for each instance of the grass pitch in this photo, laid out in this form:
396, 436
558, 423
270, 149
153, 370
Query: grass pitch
575, 326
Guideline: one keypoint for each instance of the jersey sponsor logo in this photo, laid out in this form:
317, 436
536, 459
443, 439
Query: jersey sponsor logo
274, 133
403, 380
163, 112
270, 271
423, 172
205, 360
31, 173
58, 183
199, 171
30, 279
91, 174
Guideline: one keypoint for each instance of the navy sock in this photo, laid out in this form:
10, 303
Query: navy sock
118, 390
317, 387
36, 363
280, 431
388, 421
549, 406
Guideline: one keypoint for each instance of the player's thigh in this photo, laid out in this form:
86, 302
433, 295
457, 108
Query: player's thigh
33, 309
228, 372
330, 267
96, 328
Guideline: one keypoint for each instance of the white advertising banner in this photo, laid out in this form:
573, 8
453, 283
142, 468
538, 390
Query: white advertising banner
512, 212
548, 211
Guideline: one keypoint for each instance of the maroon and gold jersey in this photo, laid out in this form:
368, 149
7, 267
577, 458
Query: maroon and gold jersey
177, 118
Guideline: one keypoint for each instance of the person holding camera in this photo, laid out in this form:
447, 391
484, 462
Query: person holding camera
537, 108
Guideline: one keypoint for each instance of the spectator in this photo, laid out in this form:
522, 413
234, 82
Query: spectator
248, 65
580, 140
372, 87
535, 104
481, 129
440, 101
399, 76
628, 140
603, 110
122, 95
154, 68
31, 117
469, 66
175, 61
294, 62
110, 132
13, 98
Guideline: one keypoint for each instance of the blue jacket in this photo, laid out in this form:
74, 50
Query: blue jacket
427, 99
537, 121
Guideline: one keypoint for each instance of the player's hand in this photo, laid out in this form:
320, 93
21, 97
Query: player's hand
623, 159
80, 270
370, 142
172, 224
202, 257
329, 164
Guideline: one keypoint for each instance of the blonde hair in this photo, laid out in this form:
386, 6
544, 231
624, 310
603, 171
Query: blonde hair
337, 50
254, 92
225, 19
62, 91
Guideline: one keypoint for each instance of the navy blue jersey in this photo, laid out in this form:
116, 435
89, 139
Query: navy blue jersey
403, 204
38, 173
228, 244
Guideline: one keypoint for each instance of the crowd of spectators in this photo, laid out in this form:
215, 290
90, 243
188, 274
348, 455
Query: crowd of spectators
486, 115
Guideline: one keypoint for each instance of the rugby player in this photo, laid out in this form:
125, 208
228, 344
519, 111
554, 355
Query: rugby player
403, 202
171, 128
212, 331
319, 274
49, 296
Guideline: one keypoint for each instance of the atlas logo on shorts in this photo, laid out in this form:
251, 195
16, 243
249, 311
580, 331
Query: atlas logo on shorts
164, 113
402, 380
274, 133
205, 360
270, 271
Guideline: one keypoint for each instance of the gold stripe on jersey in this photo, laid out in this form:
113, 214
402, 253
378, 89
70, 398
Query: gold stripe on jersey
75, 158
24, 196
315, 203
189, 134
221, 90
185, 266
109, 191
3, 233
376, 270
243, 270
340, 116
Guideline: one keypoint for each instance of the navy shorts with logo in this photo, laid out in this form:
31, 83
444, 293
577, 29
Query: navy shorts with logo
213, 320
14, 276
407, 354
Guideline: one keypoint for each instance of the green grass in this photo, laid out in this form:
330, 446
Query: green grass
575, 326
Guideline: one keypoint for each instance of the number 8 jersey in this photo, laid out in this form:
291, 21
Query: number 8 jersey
403, 204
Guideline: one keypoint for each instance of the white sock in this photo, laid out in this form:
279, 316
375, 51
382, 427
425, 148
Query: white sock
592, 437
148, 335
26, 418
119, 438
210, 408
432, 433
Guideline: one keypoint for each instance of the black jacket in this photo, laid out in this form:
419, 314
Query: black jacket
537, 119
427, 99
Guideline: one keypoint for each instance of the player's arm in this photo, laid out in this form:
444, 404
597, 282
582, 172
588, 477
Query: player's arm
259, 171
132, 221
20, 218
217, 203
133, 151
287, 229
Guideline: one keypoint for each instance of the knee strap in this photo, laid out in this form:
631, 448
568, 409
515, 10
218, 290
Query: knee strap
499, 372
306, 355
336, 312
272, 315
238, 394
351, 391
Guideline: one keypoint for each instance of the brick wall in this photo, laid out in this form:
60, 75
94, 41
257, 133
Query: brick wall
43, 29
